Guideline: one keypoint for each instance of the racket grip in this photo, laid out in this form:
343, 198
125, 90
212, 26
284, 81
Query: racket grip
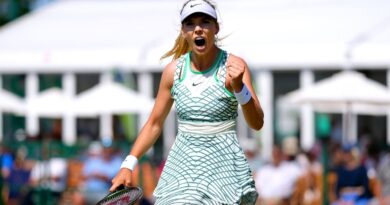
120, 187
130, 162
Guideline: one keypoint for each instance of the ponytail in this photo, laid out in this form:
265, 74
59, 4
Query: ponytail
180, 47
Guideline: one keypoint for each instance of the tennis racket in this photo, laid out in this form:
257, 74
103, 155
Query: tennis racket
122, 196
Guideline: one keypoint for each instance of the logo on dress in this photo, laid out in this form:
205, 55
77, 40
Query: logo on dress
195, 84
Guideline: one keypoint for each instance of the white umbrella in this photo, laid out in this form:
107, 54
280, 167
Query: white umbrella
10, 102
111, 98
50, 103
347, 92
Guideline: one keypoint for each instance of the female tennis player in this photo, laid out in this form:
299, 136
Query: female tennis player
206, 164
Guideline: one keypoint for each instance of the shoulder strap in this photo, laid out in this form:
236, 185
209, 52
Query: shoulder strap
221, 73
179, 68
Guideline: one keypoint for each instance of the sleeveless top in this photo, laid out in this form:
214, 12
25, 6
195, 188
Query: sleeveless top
206, 164
202, 96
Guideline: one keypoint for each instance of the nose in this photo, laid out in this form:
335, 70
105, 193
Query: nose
198, 29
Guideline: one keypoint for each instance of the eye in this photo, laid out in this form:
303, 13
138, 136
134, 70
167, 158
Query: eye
188, 23
207, 21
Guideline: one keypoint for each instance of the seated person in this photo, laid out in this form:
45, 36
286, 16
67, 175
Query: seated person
352, 183
276, 181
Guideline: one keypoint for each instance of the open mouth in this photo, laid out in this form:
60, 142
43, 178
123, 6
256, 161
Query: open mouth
200, 41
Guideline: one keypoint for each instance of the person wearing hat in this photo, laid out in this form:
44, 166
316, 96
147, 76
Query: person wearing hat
206, 164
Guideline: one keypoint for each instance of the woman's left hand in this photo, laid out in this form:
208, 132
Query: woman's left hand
235, 71
238, 74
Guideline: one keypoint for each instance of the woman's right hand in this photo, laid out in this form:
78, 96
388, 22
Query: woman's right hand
122, 177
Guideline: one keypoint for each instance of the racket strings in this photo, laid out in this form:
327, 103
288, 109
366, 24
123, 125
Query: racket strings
125, 197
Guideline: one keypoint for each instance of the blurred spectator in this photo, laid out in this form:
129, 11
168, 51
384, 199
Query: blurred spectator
290, 149
73, 194
276, 181
336, 133
384, 179
251, 150
6, 161
351, 180
371, 153
100, 166
312, 176
371, 158
48, 177
336, 155
18, 180
145, 176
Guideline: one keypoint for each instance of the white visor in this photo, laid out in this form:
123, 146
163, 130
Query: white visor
197, 6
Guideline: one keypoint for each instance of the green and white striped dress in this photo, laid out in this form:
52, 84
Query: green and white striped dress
206, 164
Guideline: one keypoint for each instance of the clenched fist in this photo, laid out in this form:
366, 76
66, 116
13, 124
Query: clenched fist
235, 70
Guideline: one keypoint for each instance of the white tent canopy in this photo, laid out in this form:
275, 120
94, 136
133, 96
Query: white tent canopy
88, 34
108, 98
50, 103
98, 35
9, 102
71, 36
346, 92
297, 33
111, 98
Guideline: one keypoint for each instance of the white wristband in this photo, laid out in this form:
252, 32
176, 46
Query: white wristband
243, 96
129, 162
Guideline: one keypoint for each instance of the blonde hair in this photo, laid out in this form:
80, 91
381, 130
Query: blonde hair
181, 45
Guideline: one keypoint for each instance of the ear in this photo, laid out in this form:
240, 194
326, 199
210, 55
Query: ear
217, 26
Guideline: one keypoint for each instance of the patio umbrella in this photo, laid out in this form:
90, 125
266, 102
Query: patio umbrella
50, 103
10, 102
346, 92
108, 98
111, 98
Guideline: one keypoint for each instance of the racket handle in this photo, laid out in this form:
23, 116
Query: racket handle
120, 187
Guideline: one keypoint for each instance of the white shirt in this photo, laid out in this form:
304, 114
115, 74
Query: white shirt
44, 170
277, 182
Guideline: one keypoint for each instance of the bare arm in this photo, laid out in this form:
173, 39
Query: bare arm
152, 128
239, 74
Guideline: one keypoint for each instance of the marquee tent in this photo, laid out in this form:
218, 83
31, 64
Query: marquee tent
9, 102
81, 36
98, 35
110, 98
345, 92
50, 103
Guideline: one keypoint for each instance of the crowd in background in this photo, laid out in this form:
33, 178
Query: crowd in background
330, 173
347, 174
53, 178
